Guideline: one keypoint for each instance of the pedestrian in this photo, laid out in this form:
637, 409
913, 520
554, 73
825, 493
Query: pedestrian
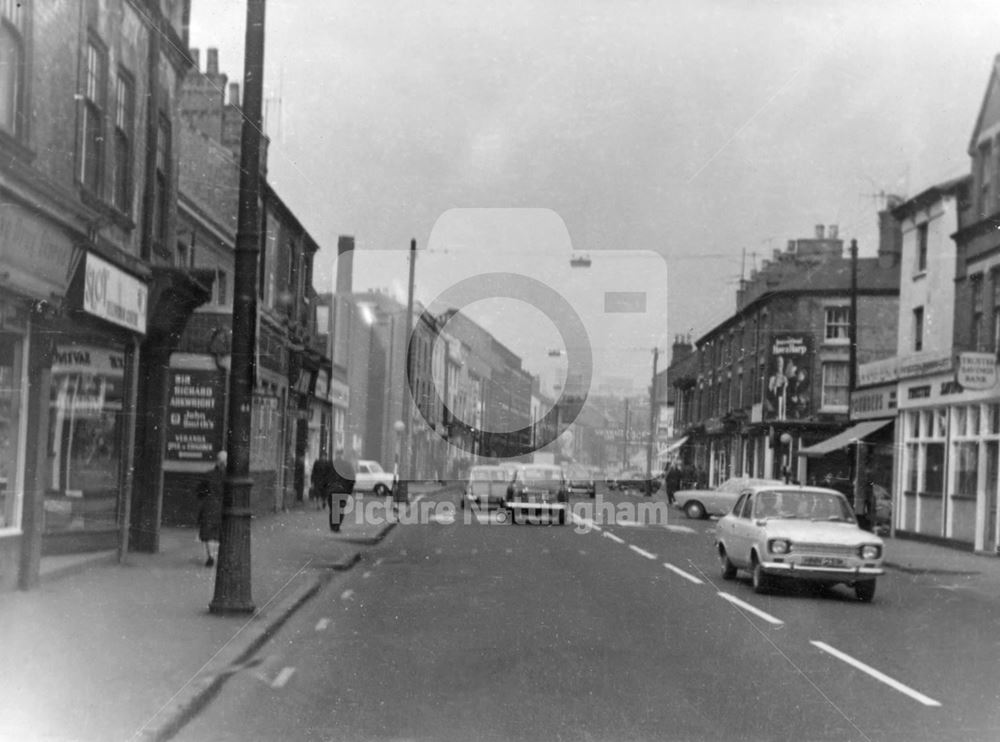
341, 486
322, 477
210, 508
672, 481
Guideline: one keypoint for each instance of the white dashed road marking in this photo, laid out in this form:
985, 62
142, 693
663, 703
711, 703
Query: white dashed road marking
366, 575
613, 537
283, 677
347, 595
322, 624
682, 573
751, 609
586, 522
895, 684
680, 529
641, 552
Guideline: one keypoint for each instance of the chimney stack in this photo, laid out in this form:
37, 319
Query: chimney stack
819, 231
234, 94
212, 62
833, 230
345, 264
196, 58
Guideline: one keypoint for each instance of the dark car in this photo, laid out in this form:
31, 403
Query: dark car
537, 489
637, 480
580, 480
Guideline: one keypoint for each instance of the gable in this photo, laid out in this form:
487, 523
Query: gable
988, 120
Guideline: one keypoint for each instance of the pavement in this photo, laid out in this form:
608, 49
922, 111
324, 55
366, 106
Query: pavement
107, 651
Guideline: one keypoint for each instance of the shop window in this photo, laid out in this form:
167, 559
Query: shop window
10, 427
966, 468
934, 469
84, 446
912, 467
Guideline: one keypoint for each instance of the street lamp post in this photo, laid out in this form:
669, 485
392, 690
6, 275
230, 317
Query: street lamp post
786, 444
402, 493
233, 576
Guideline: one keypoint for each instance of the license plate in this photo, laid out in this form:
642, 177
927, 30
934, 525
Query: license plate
815, 561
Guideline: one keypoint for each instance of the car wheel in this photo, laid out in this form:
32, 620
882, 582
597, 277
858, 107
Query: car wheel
381, 490
865, 591
728, 568
761, 582
694, 510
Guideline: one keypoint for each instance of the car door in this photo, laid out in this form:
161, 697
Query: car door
727, 527
742, 529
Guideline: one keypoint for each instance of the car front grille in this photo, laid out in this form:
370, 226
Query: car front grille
824, 549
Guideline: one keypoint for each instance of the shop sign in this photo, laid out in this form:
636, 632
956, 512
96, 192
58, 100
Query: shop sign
322, 384
195, 408
874, 403
977, 370
37, 257
113, 295
878, 372
925, 364
340, 393
789, 365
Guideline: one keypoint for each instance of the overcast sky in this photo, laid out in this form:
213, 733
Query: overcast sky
697, 129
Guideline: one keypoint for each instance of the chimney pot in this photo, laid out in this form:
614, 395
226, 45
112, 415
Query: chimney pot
819, 231
234, 94
196, 58
212, 62
791, 246
833, 230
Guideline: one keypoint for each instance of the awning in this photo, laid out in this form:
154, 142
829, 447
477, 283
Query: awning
845, 438
675, 445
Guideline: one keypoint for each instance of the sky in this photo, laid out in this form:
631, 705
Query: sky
705, 132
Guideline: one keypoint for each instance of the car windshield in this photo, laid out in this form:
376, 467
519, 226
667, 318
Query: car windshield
577, 472
488, 475
539, 474
794, 504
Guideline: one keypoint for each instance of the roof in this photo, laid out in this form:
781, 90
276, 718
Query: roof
930, 195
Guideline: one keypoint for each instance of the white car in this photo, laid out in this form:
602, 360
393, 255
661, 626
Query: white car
698, 504
487, 486
803, 533
371, 477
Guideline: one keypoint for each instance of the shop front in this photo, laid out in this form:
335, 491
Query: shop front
950, 456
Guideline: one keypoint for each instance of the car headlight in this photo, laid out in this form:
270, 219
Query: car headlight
870, 551
779, 546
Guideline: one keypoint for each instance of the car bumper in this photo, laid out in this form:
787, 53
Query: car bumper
522, 505
481, 500
817, 573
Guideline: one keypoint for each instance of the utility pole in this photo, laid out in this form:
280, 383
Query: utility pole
652, 425
232, 577
402, 493
625, 439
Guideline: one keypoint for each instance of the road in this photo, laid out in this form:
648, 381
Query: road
490, 631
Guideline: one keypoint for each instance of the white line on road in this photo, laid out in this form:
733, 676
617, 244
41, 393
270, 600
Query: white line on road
747, 607
347, 595
283, 677
322, 624
366, 575
586, 522
680, 529
919, 697
641, 552
683, 574
613, 537
378, 561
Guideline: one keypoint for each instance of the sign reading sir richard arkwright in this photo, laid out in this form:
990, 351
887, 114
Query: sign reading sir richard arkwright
789, 364
194, 415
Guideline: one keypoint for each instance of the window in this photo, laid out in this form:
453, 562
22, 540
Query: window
977, 338
121, 192
92, 137
985, 178
221, 288
12, 104
995, 280
838, 324
10, 427
161, 182
918, 329
835, 385
922, 248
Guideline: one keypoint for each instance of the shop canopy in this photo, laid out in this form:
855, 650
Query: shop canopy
674, 445
845, 438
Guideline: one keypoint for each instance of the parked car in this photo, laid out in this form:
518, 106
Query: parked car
537, 489
580, 479
371, 477
698, 504
487, 485
636, 480
803, 533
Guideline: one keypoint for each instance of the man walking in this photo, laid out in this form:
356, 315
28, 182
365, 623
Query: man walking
672, 481
341, 485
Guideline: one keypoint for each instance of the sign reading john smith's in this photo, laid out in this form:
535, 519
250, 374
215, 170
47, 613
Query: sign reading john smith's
194, 415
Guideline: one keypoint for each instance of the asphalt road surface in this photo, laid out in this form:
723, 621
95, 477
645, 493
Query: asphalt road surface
488, 631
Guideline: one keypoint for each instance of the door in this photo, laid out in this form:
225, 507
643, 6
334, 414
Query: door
990, 493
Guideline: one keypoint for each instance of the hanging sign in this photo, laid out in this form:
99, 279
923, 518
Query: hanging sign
976, 370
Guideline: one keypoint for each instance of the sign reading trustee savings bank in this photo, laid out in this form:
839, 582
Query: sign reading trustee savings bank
113, 295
